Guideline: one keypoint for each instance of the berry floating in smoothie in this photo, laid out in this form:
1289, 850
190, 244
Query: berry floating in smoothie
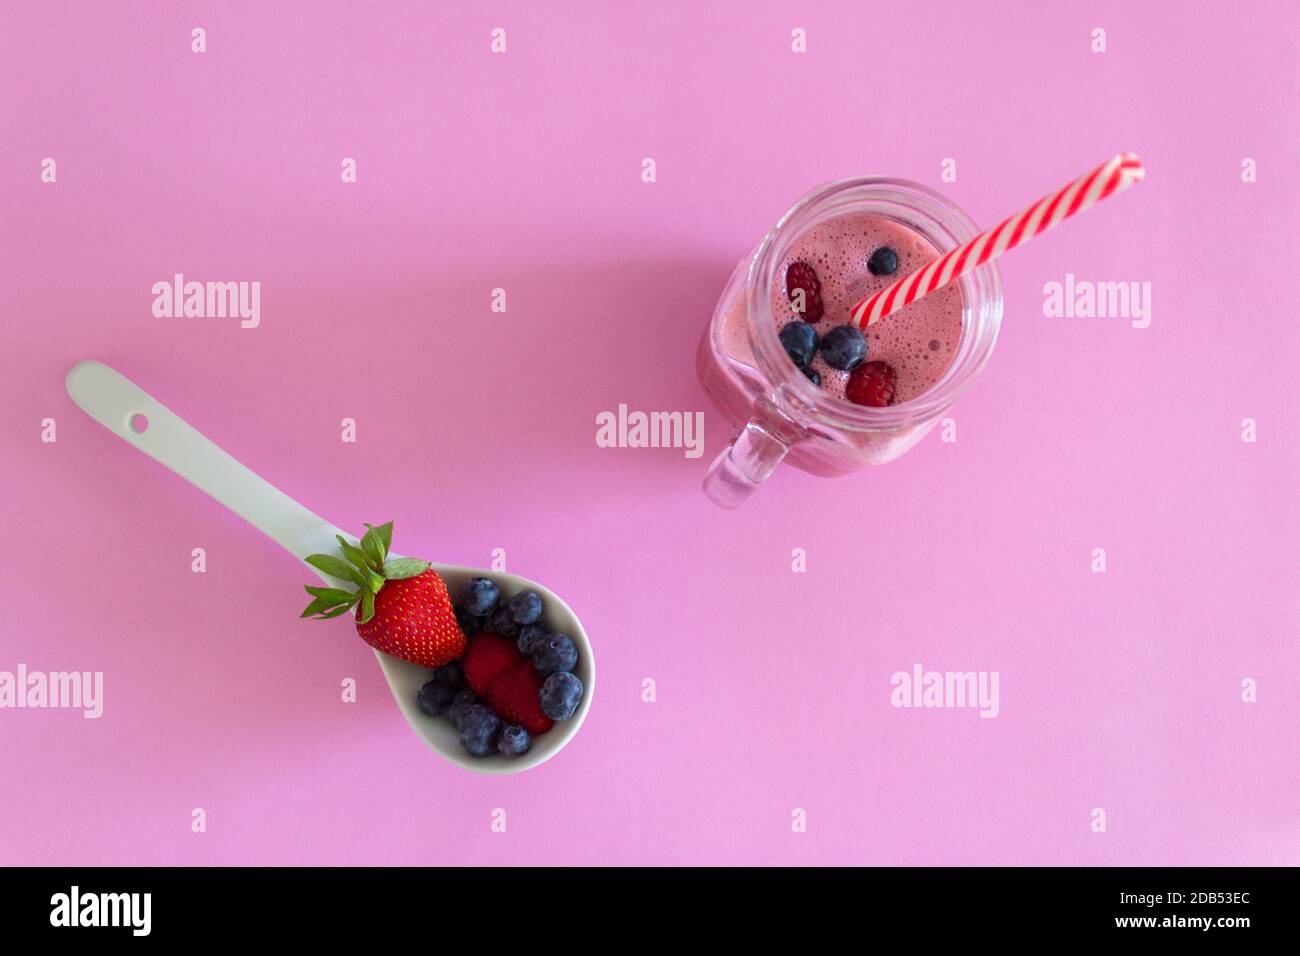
844, 348
872, 385
804, 291
800, 343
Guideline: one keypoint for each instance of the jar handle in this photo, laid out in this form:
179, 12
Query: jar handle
748, 461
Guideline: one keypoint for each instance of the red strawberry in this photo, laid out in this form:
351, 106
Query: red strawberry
513, 696
800, 276
487, 657
872, 384
414, 620
403, 607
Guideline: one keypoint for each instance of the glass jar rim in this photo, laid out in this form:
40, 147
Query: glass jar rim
920, 208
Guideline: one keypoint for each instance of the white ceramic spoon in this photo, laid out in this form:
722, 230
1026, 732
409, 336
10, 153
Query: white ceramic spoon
130, 413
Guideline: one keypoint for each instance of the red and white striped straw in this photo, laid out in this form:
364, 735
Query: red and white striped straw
1114, 175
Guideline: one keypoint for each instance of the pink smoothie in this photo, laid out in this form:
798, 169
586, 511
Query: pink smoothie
919, 341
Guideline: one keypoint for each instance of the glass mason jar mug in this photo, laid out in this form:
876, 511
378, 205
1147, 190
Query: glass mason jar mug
745, 371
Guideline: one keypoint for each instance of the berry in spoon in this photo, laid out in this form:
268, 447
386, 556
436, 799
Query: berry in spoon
402, 604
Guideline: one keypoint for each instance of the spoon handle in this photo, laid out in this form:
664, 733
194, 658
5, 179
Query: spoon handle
114, 401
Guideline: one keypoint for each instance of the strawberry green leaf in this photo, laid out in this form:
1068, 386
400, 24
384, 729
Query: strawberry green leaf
373, 545
326, 607
317, 606
332, 595
396, 569
335, 568
353, 554
385, 532
367, 607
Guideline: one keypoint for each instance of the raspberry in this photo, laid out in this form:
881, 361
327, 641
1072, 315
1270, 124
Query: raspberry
802, 276
489, 655
514, 695
871, 384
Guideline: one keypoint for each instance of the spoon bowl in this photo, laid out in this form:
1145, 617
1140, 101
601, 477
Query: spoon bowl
139, 419
405, 680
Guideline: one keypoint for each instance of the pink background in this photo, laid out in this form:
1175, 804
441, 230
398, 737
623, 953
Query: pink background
476, 431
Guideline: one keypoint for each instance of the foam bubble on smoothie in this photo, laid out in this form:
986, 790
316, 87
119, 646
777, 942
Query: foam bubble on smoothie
919, 341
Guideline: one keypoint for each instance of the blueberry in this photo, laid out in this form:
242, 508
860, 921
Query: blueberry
514, 741
479, 596
556, 653
814, 376
844, 348
450, 674
529, 635
560, 695
525, 607
883, 262
471, 624
460, 705
502, 623
800, 342
478, 730
434, 697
